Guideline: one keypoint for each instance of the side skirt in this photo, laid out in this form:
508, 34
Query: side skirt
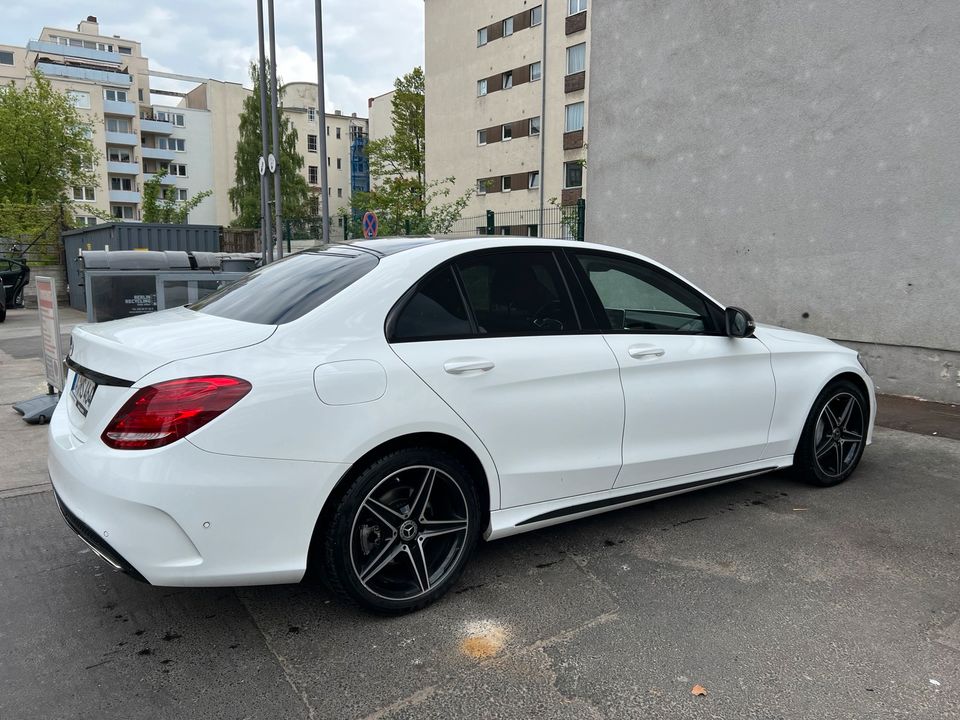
523, 519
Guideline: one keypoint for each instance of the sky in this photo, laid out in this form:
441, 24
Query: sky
367, 43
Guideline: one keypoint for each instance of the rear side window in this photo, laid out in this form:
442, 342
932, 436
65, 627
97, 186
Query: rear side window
434, 311
517, 293
290, 288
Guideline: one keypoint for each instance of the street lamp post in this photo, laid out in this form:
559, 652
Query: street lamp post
264, 186
322, 112
274, 112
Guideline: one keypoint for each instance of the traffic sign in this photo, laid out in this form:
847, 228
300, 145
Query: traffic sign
272, 162
370, 225
262, 165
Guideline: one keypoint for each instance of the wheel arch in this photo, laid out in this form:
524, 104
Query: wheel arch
440, 441
841, 375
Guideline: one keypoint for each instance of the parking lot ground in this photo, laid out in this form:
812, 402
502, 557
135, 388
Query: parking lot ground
782, 600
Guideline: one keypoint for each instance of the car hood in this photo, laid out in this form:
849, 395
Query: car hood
782, 338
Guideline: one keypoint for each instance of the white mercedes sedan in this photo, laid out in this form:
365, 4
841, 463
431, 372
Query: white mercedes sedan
368, 411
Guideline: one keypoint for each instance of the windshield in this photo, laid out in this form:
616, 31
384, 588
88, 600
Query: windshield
290, 288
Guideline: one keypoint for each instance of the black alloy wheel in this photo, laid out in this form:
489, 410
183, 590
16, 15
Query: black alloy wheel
403, 531
834, 436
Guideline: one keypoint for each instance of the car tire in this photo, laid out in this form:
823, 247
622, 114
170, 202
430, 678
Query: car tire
391, 549
834, 435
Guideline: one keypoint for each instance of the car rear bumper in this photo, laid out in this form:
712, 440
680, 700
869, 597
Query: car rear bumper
181, 516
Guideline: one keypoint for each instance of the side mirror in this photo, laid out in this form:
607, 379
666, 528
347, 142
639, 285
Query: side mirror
739, 323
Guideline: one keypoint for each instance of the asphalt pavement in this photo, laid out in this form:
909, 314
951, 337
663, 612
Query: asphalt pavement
780, 600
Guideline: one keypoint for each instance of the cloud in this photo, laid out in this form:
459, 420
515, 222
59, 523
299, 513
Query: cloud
367, 43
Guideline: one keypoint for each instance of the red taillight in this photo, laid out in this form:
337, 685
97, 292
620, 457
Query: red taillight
163, 413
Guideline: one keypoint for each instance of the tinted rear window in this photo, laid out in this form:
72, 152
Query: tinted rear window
288, 289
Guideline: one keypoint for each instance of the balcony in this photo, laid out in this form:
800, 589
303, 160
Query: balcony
167, 179
157, 127
122, 168
116, 107
124, 196
122, 138
156, 153
78, 73
42, 46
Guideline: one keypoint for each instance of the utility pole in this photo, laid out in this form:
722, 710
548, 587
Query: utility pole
543, 114
322, 112
264, 185
274, 112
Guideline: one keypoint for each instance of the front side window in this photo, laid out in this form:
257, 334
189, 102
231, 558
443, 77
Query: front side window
576, 6
573, 119
573, 174
289, 288
517, 293
435, 310
576, 58
638, 298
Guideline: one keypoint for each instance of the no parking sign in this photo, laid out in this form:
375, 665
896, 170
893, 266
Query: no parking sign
370, 225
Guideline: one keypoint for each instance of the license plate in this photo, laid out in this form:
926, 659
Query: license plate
82, 392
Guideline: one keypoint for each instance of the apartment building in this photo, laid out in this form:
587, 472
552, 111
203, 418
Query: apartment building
506, 100
346, 135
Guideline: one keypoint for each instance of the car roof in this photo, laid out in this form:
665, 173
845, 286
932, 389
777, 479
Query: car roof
392, 245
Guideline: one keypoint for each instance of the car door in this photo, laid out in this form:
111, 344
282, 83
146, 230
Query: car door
696, 400
495, 334
9, 278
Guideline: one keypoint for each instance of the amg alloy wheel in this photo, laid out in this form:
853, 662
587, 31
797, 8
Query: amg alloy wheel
403, 531
834, 436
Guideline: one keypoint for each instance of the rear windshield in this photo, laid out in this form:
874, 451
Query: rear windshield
290, 288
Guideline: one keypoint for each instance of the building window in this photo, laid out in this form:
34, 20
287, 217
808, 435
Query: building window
178, 144
182, 194
311, 143
481, 87
481, 137
508, 80
328, 131
482, 186
535, 71
85, 193
534, 126
6, 58
576, 6
122, 212
312, 174
116, 95
118, 155
328, 161
311, 114
339, 164
576, 58
177, 119
178, 169
79, 99
574, 118
536, 15
124, 50
508, 27
338, 133
121, 125
507, 132
573, 174
481, 38
533, 179
339, 192
84, 221
506, 183
121, 184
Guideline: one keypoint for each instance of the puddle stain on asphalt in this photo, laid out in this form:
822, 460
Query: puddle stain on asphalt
484, 639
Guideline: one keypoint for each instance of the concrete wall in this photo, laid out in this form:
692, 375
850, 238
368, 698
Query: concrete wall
799, 159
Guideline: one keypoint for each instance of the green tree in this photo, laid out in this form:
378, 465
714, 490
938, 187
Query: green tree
45, 145
401, 197
160, 209
245, 193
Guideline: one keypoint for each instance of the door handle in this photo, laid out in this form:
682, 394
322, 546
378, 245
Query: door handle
464, 366
641, 352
